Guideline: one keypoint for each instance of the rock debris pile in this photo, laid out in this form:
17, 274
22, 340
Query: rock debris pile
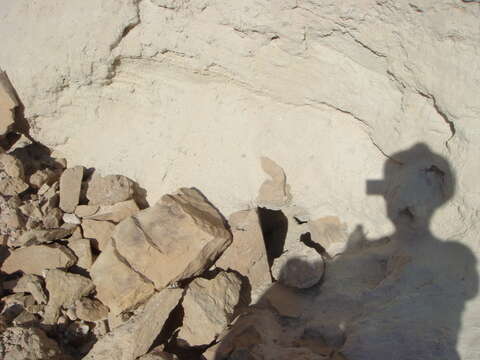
87, 273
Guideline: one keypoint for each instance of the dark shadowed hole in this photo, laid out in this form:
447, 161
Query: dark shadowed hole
274, 226
307, 240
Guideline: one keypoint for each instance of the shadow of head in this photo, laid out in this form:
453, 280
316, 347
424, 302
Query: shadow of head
416, 182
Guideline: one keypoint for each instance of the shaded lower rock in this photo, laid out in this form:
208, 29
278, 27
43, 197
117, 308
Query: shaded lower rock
18, 343
209, 306
136, 336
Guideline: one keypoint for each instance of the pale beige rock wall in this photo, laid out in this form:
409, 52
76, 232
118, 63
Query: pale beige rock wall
178, 93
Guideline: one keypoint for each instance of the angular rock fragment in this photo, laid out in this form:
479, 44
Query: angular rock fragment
64, 289
36, 258
53, 219
99, 231
8, 103
32, 284
273, 193
25, 319
247, 253
37, 237
42, 177
70, 185
31, 343
209, 306
12, 177
116, 212
90, 309
135, 337
118, 286
177, 238
83, 252
109, 190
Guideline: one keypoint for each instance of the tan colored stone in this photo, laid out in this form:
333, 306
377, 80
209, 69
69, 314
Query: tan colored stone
50, 199
12, 178
42, 177
118, 286
90, 309
34, 259
99, 231
8, 103
116, 212
177, 238
273, 193
32, 284
86, 210
330, 233
36, 237
83, 252
31, 209
135, 337
64, 289
209, 306
109, 190
247, 253
70, 185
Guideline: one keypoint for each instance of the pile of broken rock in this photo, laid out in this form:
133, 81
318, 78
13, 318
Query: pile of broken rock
87, 273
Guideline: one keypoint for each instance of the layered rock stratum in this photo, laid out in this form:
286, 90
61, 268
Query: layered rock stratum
286, 115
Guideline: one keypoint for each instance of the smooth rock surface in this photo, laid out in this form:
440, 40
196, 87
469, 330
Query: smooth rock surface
36, 258
134, 338
177, 238
70, 185
118, 286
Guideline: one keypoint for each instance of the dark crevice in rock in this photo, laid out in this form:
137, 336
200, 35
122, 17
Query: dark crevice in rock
274, 226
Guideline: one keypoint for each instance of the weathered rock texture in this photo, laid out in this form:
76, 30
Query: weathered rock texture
177, 238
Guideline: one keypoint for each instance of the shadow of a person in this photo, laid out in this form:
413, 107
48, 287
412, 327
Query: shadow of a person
399, 297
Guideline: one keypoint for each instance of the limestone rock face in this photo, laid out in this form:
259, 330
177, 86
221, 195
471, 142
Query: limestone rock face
134, 338
83, 251
247, 254
175, 239
209, 306
117, 285
36, 258
70, 185
116, 212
